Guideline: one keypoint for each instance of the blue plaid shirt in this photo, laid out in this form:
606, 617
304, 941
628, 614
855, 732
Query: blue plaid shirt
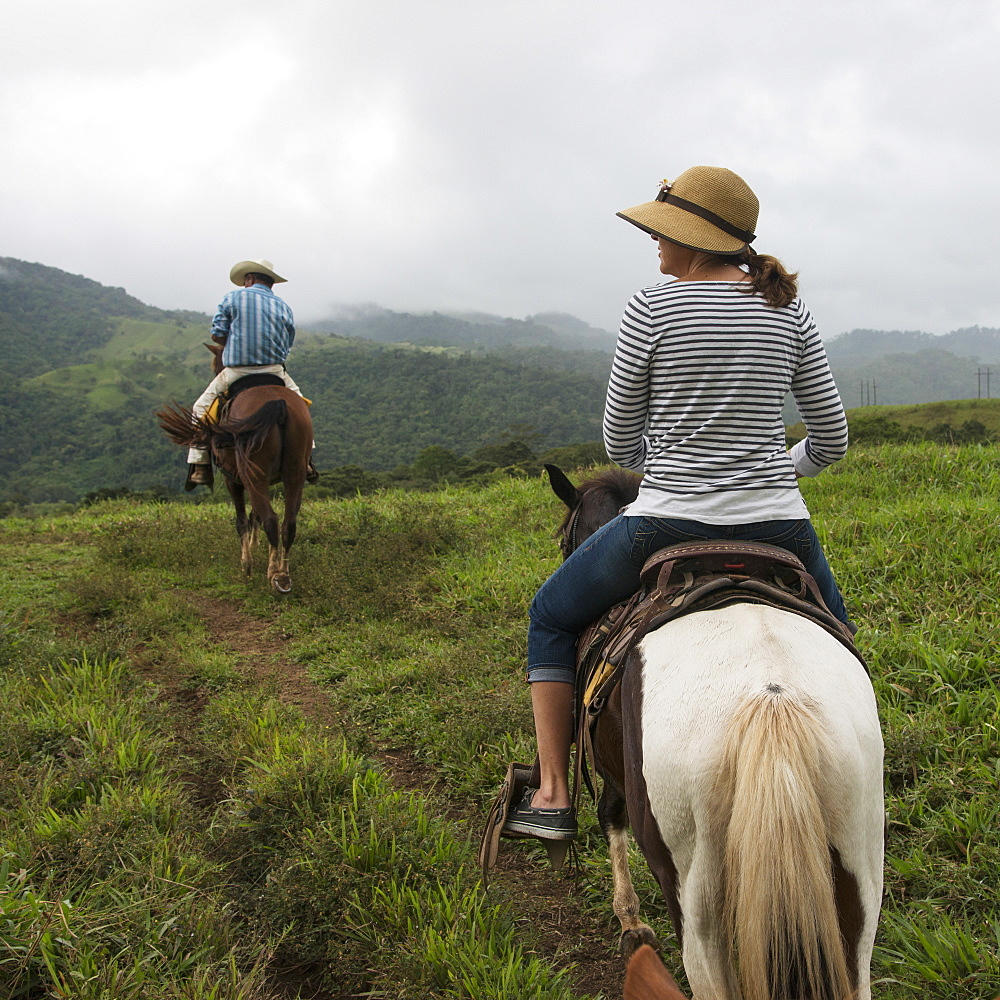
258, 327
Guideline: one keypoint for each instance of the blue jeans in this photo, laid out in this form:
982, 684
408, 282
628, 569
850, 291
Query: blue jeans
604, 571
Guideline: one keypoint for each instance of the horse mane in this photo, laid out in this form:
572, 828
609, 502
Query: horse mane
616, 484
602, 496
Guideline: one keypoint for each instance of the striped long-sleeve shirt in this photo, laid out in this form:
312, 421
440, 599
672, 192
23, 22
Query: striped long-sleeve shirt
257, 325
694, 402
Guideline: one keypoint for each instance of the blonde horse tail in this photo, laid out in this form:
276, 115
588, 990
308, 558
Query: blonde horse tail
780, 911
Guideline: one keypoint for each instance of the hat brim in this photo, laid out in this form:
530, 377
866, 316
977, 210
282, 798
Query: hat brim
669, 222
245, 267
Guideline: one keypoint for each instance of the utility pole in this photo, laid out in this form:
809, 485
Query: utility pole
980, 373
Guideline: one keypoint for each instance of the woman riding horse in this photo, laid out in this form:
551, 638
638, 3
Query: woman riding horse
701, 370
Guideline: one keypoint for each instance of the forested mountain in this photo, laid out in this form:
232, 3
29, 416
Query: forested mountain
94, 363
897, 367
87, 365
379, 406
860, 347
49, 318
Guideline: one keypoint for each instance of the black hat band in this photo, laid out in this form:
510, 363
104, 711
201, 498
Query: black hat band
708, 216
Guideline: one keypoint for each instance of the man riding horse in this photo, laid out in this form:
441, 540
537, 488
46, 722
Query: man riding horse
258, 330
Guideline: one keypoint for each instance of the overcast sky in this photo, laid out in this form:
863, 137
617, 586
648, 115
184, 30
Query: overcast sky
462, 155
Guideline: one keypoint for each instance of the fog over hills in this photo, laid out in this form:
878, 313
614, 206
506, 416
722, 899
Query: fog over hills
468, 329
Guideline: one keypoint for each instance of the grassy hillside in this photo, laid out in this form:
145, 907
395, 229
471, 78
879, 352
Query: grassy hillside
928, 415
180, 341
176, 816
924, 416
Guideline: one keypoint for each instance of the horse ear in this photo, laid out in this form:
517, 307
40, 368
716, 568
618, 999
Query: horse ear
562, 487
648, 979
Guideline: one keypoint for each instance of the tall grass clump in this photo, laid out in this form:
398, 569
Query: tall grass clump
367, 889
103, 889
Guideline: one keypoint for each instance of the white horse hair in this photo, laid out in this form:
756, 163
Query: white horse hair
762, 762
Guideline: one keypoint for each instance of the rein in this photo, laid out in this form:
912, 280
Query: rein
568, 543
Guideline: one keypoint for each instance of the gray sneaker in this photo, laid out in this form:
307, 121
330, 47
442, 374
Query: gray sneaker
525, 820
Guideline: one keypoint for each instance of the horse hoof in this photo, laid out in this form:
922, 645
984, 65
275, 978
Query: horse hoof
282, 584
632, 940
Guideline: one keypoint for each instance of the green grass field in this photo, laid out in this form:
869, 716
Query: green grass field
173, 825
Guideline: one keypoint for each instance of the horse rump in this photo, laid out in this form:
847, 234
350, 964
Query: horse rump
249, 433
247, 436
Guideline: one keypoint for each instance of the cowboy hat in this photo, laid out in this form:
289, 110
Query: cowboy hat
706, 208
245, 267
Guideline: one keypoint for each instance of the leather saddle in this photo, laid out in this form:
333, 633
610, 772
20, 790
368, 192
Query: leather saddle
220, 405
699, 576
680, 580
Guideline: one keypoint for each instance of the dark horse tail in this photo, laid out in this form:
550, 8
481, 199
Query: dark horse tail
243, 436
248, 435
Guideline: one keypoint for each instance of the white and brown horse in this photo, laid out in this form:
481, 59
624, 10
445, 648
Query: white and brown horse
743, 747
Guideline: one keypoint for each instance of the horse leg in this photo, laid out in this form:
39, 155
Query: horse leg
282, 580
706, 954
267, 519
613, 817
270, 526
251, 539
612, 812
244, 527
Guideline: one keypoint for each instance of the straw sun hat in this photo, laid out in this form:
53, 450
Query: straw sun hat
245, 267
706, 208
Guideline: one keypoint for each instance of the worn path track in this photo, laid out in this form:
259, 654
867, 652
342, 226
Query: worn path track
566, 936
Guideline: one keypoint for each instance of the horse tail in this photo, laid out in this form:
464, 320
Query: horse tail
181, 426
780, 911
246, 436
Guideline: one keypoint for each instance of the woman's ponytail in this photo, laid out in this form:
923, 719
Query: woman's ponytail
768, 278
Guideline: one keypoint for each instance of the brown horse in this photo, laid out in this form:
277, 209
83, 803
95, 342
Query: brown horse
266, 438
743, 748
647, 979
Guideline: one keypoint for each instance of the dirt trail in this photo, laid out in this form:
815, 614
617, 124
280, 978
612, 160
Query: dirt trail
567, 938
